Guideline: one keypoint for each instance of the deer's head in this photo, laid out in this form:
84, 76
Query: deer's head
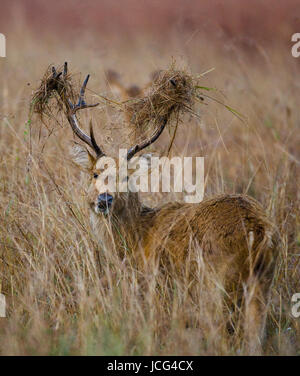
109, 179
102, 198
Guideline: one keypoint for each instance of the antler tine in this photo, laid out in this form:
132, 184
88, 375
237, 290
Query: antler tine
55, 75
164, 119
81, 104
98, 151
132, 151
71, 110
65, 72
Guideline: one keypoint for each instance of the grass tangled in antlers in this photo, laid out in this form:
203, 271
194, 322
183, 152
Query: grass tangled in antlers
172, 89
172, 92
52, 83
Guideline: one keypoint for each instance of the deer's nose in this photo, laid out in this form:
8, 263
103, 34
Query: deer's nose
104, 201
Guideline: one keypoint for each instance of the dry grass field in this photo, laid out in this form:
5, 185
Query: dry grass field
66, 295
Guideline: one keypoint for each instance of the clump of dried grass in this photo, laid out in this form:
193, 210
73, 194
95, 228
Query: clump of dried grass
172, 92
53, 83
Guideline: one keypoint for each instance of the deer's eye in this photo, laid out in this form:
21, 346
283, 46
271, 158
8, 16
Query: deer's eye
95, 175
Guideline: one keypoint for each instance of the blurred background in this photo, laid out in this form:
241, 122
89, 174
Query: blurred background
232, 20
105, 25
240, 48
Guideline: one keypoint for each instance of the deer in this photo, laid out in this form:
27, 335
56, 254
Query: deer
132, 91
233, 232
125, 93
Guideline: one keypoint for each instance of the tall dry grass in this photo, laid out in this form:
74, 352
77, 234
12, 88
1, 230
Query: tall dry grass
68, 295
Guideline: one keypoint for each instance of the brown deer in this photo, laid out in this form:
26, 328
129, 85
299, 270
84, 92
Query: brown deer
130, 92
125, 93
232, 233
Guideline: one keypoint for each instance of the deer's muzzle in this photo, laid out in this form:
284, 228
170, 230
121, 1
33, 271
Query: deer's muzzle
104, 202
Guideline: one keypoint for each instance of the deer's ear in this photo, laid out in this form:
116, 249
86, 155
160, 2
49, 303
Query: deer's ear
82, 157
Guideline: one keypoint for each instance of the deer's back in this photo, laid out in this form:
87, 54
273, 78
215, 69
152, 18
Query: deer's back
231, 231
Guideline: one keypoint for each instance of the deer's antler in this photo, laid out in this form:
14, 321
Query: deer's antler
163, 121
71, 109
